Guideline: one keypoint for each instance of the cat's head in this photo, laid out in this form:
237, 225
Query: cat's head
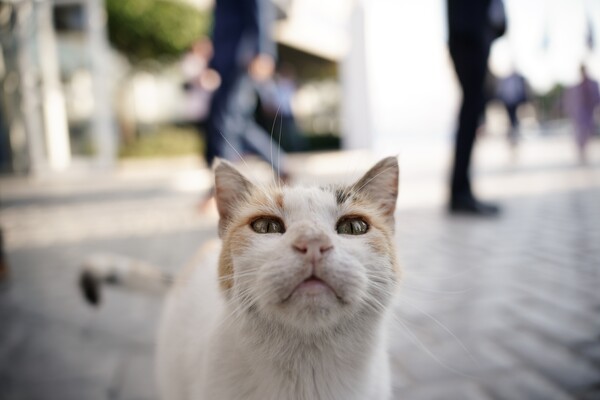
308, 257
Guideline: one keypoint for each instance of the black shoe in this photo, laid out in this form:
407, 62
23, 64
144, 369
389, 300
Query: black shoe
469, 205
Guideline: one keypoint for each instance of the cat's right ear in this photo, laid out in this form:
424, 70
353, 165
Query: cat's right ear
231, 188
380, 185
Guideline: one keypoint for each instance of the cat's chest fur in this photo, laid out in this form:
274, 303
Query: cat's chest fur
305, 374
294, 302
202, 357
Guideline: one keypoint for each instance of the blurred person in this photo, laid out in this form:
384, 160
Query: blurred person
200, 82
3, 261
511, 91
276, 97
580, 102
472, 26
244, 55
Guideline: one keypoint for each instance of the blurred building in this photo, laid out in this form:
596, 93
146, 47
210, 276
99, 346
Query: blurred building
63, 85
376, 72
56, 102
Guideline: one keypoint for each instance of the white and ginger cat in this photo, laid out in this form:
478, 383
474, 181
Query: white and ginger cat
294, 302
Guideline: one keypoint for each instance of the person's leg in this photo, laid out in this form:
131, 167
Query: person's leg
470, 62
212, 138
216, 127
513, 133
583, 132
248, 133
3, 260
261, 143
217, 133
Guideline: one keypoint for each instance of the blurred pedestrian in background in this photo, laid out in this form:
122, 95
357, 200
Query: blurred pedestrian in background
3, 261
580, 102
244, 55
200, 82
472, 26
276, 107
511, 91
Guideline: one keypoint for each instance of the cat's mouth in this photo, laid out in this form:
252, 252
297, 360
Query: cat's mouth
312, 286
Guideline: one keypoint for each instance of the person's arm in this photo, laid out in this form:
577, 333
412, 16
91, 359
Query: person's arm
260, 15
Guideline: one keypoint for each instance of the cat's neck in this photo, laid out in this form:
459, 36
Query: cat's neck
340, 360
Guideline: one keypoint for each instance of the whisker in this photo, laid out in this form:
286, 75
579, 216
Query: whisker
271, 144
415, 339
369, 181
234, 149
279, 148
239, 275
445, 328
432, 276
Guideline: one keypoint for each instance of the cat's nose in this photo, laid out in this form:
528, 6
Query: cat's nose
313, 247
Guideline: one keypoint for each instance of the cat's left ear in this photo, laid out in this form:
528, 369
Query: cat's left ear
380, 185
231, 188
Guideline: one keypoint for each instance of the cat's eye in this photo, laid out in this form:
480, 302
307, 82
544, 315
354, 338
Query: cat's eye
352, 226
267, 225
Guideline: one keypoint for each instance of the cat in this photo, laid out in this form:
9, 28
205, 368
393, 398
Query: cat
292, 303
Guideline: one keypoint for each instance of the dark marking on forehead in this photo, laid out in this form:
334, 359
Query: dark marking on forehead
343, 195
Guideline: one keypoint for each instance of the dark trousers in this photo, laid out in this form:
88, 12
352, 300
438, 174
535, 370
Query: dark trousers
231, 128
511, 110
469, 56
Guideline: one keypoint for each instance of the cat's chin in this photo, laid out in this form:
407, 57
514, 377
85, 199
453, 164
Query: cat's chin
311, 303
312, 289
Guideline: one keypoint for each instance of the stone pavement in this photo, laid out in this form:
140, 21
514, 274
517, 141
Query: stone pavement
489, 309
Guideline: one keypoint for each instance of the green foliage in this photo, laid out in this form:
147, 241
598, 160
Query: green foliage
166, 141
308, 66
154, 29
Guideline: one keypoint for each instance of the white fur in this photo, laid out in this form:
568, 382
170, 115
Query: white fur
256, 342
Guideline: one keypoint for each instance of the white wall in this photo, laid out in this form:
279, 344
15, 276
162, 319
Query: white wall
408, 86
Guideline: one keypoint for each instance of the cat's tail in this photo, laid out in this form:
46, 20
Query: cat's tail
108, 269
